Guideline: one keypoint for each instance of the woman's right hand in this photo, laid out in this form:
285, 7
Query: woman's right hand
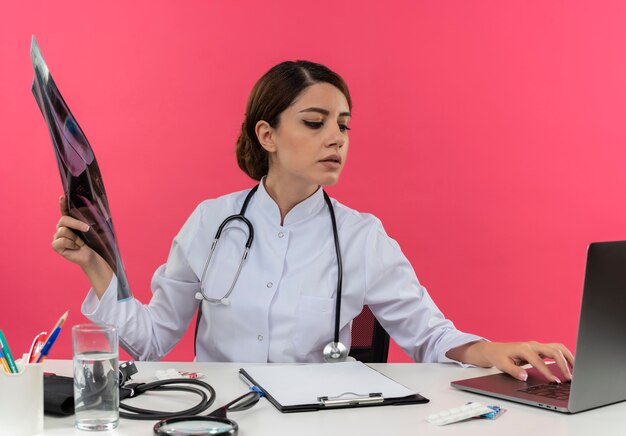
66, 241
68, 244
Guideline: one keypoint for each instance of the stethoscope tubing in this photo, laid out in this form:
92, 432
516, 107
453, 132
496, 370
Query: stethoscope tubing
331, 210
237, 217
176, 385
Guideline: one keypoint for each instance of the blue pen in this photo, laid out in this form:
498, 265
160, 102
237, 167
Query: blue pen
49, 343
4, 346
251, 385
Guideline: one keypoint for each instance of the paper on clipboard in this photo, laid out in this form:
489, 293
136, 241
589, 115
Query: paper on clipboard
300, 385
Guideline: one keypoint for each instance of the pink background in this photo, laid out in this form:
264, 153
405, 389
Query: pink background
488, 136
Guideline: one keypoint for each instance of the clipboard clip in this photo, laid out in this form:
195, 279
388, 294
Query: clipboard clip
351, 399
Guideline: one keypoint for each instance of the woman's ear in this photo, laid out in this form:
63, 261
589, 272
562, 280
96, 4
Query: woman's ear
265, 134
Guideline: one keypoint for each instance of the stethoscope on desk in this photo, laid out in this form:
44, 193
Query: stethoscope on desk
335, 351
179, 423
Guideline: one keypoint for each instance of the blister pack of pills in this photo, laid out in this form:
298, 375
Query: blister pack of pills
172, 373
457, 414
497, 411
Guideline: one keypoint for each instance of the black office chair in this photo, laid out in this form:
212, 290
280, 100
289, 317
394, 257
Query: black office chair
370, 341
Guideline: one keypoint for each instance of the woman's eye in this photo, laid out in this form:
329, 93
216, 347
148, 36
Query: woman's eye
314, 124
319, 124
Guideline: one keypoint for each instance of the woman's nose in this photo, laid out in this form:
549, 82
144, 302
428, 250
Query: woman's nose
336, 137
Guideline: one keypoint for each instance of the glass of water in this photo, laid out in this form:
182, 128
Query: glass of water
96, 388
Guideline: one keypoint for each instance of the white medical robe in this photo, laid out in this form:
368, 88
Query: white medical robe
282, 307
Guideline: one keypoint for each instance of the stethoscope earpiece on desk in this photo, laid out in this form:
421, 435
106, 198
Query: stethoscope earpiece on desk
335, 351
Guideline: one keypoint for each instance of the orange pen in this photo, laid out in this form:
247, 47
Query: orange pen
60, 323
4, 363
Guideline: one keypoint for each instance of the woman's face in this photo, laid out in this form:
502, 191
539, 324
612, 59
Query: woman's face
310, 144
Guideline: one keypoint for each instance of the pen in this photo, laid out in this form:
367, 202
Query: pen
49, 343
37, 345
5, 366
4, 347
49, 339
60, 322
252, 386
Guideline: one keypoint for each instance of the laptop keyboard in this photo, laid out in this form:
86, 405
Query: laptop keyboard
557, 391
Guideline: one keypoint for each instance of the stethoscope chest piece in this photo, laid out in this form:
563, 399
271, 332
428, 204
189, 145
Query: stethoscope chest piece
196, 426
335, 352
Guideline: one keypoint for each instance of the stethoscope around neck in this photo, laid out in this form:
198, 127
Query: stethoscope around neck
335, 351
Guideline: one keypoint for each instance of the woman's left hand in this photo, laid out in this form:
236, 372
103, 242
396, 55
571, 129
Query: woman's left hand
509, 356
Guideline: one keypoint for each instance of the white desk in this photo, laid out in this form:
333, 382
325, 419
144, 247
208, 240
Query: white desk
431, 380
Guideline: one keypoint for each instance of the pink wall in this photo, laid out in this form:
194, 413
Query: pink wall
488, 136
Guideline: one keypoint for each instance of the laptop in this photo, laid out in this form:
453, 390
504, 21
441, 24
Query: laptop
599, 376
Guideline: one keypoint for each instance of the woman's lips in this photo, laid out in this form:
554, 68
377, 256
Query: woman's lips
333, 161
331, 164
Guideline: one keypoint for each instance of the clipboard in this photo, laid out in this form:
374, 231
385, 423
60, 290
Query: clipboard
311, 387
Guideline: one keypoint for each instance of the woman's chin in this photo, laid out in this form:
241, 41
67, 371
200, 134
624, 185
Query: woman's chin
329, 180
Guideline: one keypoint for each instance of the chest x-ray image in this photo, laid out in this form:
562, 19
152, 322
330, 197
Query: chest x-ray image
80, 175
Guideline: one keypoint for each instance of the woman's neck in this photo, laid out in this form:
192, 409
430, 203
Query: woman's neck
287, 194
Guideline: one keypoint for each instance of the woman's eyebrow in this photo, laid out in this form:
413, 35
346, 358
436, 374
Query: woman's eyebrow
324, 111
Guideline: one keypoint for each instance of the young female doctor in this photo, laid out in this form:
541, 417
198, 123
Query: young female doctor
279, 304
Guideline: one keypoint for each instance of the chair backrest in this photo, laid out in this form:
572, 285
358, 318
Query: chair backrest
370, 341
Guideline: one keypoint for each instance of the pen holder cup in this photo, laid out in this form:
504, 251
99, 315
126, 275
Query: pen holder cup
21, 412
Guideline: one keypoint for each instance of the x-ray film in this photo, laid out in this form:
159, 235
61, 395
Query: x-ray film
80, 175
